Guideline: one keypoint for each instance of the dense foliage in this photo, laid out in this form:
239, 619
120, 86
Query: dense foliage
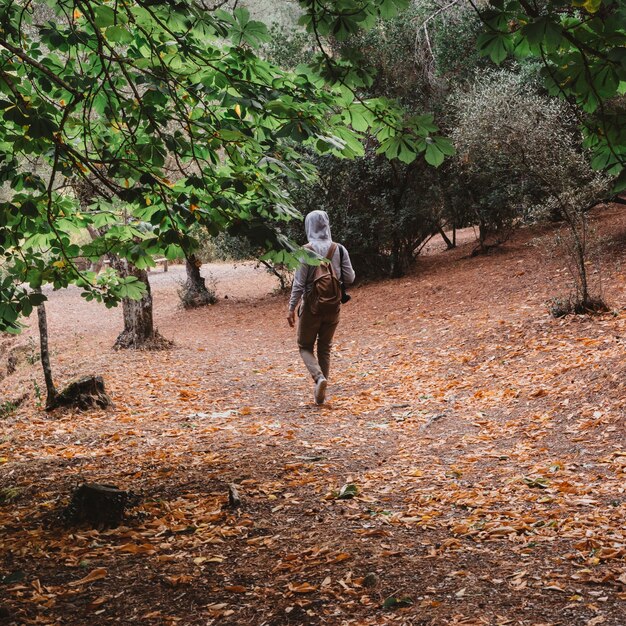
520, 148
383, 209
520, 155
582, 44
173, 120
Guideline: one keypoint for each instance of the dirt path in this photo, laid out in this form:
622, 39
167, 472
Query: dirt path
485, 438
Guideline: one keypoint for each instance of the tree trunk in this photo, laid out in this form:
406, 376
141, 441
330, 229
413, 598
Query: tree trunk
580, 252
449, 244
578, 228
139, 332
447, 212
401, 258
482, 234
194, 292
94, 234
85, 393
51, 392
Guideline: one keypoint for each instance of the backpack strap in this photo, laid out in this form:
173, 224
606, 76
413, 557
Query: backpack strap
341, 265
331, 251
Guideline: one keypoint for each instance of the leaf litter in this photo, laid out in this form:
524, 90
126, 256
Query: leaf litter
479, 444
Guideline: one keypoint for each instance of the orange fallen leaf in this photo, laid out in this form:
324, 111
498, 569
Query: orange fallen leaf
99, 601
94, 575
302, 588
151, 615
175, 581
134, 548
342, 556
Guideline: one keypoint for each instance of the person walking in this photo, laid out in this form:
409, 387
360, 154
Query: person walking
320, 289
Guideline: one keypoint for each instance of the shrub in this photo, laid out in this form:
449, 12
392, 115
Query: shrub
521, 156
381, 211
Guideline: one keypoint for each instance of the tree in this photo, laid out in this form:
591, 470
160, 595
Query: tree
194, 293
166, 106
138, 331
582, 45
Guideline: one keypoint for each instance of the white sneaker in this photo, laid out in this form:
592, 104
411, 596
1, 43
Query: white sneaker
320, 390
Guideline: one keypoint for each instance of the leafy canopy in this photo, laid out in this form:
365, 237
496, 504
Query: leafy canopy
583, 46
166, 114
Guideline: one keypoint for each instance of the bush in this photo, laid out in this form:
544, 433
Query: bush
519, 155
289, 47
561, 307
381, 211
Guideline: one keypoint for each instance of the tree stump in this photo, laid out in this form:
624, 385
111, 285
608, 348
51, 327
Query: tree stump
85, 393
18, 355
100, 506
234, 499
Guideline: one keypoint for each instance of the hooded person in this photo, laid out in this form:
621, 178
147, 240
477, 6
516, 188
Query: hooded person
315, 326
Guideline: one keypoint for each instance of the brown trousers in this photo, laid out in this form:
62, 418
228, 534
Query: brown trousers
320, 328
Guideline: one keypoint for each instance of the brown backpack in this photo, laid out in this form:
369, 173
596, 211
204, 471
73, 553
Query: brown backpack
325, 295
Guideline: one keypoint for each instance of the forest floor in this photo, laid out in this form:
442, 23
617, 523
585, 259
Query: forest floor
486, 440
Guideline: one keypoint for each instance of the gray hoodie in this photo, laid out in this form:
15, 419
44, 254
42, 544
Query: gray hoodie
317, 227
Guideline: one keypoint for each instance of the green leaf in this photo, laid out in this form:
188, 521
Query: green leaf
543, 31
620, 182
395, 603
348, 491
425, 124
407, 152
131, 288
445, 145
242, 15
118, 34
152, 153
104, 15
390, 8
36, 298
390, 147
358, 121
496, 45
434, 155
606, 82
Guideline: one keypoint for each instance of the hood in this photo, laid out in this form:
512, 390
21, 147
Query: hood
317, 227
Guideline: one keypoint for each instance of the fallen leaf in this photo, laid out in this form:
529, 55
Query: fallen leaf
94, 575
302, 588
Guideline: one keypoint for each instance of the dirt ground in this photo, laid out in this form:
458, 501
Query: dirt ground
485, 441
